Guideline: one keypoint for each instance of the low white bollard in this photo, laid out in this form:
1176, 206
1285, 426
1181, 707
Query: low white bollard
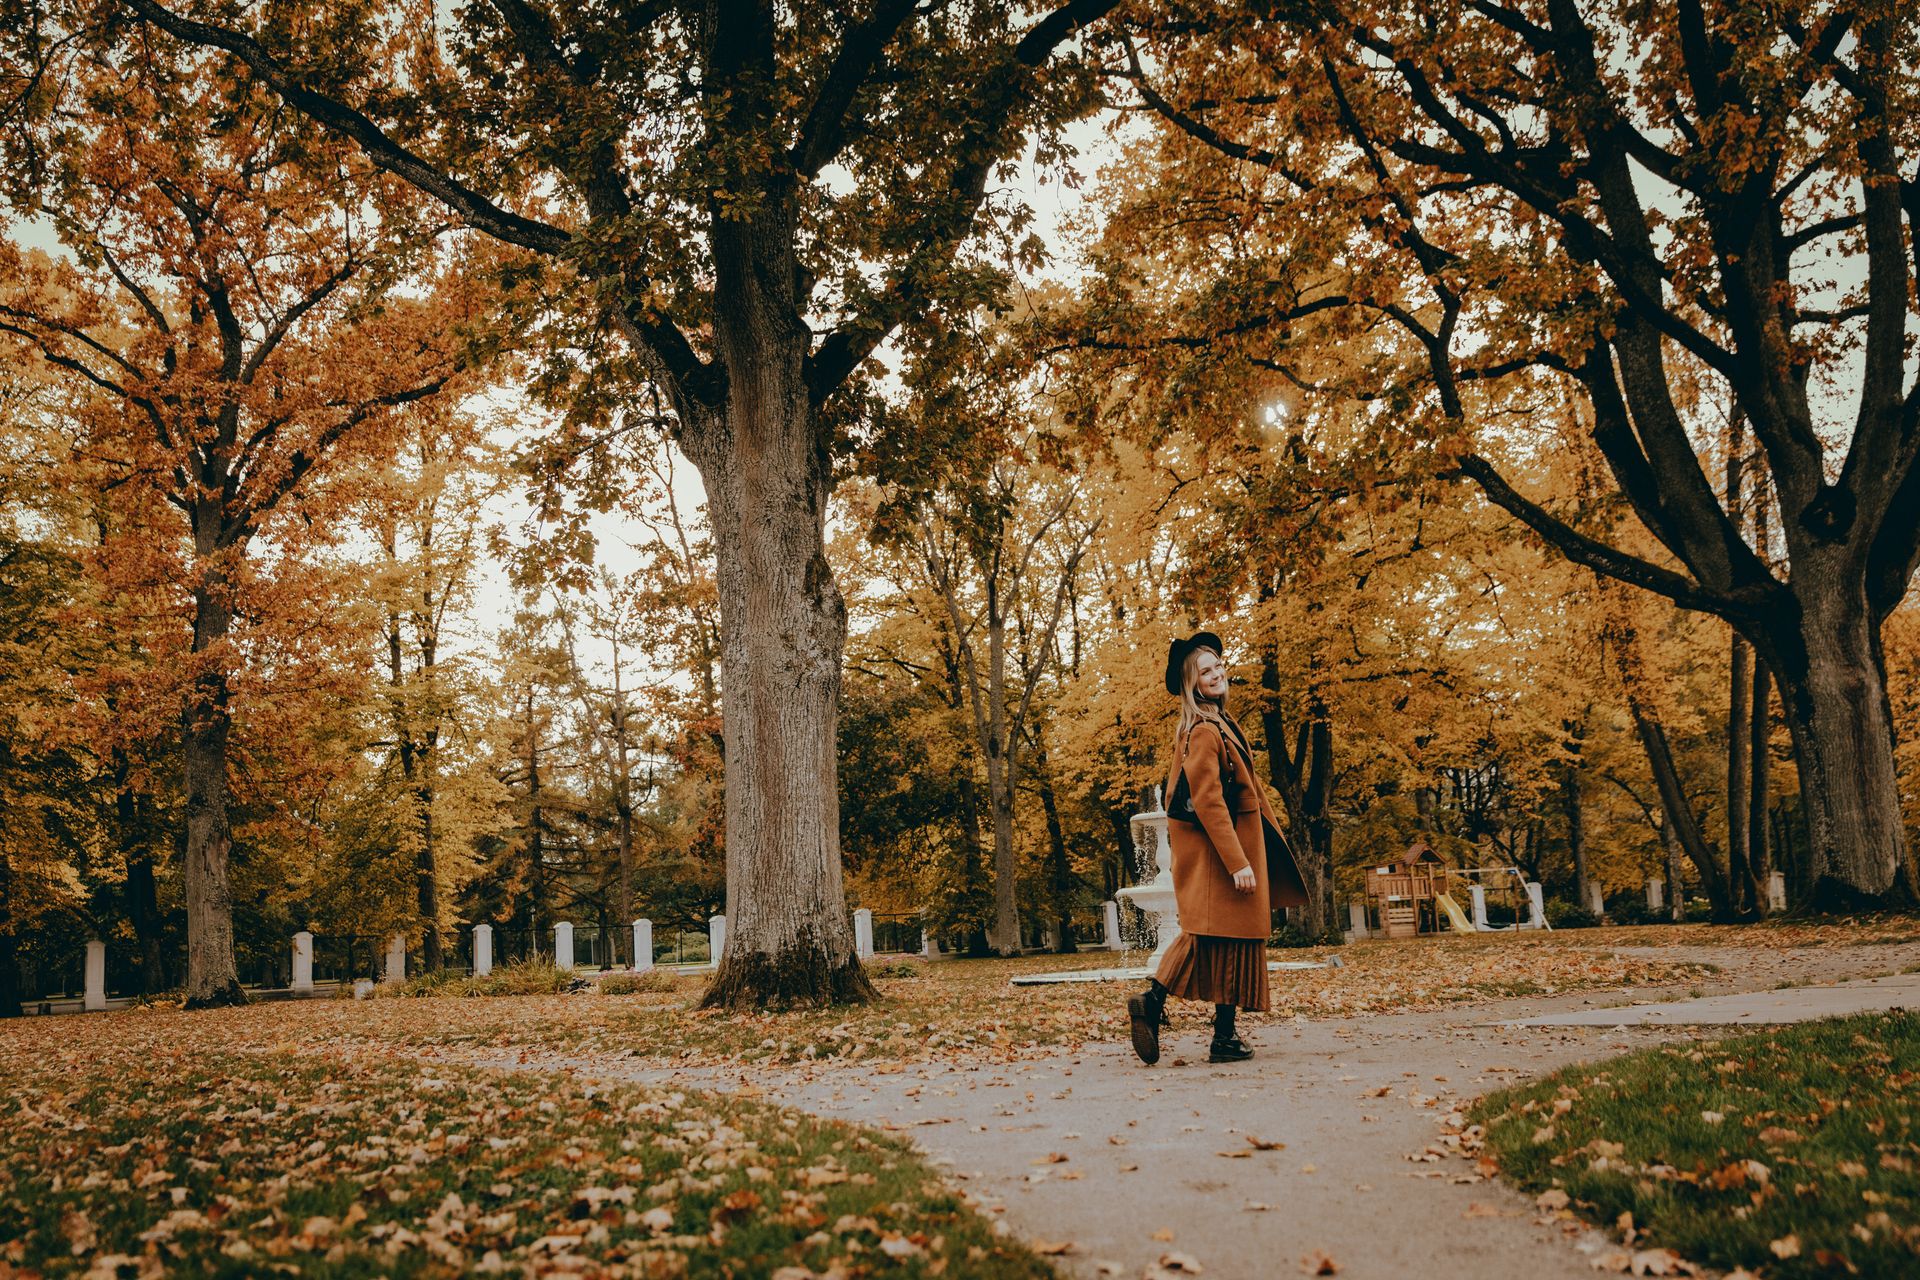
1357, 920
1536, 905
482, 950
716, 940
863, 933
96, 995
396, 958
1656, 893
1110, 919
1479, 895
303, 962
1776, 891
563, 944
642, 945
1596, 900
362, 988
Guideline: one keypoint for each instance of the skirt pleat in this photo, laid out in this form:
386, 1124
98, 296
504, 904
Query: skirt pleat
1217, 970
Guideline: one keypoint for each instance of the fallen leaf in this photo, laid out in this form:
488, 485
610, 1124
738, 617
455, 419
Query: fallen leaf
1785, 1247
1319, 1263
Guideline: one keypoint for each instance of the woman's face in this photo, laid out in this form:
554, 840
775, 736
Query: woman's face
1210, 677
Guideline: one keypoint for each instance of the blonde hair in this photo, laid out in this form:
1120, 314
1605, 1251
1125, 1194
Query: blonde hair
1196, 706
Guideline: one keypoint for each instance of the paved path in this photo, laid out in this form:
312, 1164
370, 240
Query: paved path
1758, 1008
1124, 1161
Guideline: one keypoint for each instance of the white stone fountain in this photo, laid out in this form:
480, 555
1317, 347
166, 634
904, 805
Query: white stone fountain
1155, 898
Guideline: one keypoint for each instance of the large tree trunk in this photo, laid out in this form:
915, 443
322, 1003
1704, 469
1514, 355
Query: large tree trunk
1833, 694
783, 626
212, 979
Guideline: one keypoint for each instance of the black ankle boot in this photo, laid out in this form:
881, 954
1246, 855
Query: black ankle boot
1147, 1012
1226, 1046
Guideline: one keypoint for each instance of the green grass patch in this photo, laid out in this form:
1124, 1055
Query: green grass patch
530, 978
141, 1148
1795, 1149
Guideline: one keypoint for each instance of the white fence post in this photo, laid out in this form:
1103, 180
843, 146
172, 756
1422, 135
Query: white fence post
1110, 919
1479, 895
716, 940
863, 933
303, 961
1656, 893
563, 944
1776, 891
1357, 920
96, 996
397, 958
642, 945
482, 950
1596, 903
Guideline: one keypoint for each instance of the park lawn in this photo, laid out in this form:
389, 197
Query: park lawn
950, 1010
1792, 1151
135, 1144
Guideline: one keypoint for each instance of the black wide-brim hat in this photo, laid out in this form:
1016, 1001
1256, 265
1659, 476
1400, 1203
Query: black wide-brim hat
1177, 655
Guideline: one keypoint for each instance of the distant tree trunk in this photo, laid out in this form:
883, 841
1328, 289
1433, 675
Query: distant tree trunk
1759, 751
1059, 865
9, 946
1570, 804
1303, 777
1673, 799
536, 839
1676, 891
212, 979
142, 894
1739, 775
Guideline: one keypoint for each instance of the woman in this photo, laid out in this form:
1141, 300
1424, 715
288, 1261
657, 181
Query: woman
1228, 873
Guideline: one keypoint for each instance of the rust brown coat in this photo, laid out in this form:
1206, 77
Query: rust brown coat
1227, 839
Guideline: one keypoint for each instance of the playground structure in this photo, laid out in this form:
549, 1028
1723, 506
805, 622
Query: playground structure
1415, 895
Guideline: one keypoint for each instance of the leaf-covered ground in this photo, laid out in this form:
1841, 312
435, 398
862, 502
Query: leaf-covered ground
137, 1145
1791, 1152
947, 1010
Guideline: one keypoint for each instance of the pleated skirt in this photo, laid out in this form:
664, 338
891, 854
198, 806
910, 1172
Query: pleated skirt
1217, 970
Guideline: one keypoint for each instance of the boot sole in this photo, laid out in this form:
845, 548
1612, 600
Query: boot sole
1229, 1057
1146, 1033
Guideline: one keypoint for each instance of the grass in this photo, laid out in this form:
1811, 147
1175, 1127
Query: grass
150, 1147
1792, 1151
529, 978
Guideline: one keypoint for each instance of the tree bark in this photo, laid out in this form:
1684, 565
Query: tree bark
1679, 812
1570, 804
1739, 775
1303, 776
1758, 800
1059, 864
142, 894
9, 946
212, 979
783, 625
1676, 893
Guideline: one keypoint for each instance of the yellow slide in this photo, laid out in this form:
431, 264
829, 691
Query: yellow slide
1455, 916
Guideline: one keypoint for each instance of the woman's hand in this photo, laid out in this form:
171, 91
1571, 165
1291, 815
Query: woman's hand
1243, 880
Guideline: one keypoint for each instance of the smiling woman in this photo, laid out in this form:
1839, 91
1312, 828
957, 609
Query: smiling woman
1223, 864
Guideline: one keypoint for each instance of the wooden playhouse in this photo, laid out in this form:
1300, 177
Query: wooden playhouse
1409, 896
